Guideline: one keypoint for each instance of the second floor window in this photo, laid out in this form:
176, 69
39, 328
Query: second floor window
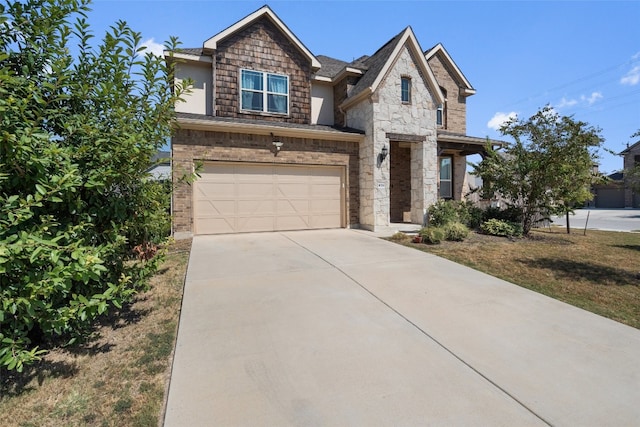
264, 92
405, 89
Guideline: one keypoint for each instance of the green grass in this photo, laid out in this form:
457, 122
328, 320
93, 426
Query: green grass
599, 272
117, 379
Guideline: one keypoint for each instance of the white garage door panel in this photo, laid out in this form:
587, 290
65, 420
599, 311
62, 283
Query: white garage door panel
231, 198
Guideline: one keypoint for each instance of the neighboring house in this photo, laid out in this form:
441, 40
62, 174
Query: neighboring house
631, 159
289, 140
161, 166
616, 192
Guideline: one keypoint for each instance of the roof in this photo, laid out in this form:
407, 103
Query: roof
628, 149
378, 65
264, 12
330, 67
239, 125
468, 144
440, 50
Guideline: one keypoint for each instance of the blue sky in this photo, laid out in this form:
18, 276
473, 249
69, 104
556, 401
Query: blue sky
581, 57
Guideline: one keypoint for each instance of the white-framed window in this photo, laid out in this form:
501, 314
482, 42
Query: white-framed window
405, 90
264, 92
441, 110
446, 177
439, 114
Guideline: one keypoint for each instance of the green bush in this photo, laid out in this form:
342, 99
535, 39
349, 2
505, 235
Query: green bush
497, 227
80, 222
509, 214
456, 231
432, 235
444, 212
469, 214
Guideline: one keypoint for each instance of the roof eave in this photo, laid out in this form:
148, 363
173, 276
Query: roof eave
354, 100
267, 129
468, 89
170, 55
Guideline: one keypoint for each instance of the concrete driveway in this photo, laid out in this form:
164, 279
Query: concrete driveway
602, 219
339, 328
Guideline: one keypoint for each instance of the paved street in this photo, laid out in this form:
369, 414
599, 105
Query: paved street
603, 219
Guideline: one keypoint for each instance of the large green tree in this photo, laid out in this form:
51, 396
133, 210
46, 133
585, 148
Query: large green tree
79, 220
548, 169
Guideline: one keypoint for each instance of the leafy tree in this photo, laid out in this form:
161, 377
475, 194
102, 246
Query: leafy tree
79, 222
547, 170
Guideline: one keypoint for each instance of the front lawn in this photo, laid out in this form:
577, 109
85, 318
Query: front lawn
599, 272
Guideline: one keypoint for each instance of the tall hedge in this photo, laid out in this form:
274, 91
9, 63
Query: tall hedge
79, 219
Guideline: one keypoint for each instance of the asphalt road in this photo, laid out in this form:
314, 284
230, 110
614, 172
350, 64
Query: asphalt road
603, 219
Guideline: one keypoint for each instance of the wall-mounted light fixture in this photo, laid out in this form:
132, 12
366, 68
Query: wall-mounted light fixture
276, 143
383, 155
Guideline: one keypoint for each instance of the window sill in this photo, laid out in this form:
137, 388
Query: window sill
264, 113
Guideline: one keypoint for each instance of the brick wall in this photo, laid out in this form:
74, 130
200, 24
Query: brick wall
190, 145
400, 181
456, 112
262, 47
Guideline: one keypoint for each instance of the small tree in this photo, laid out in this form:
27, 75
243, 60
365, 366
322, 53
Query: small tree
79, 221
547, 170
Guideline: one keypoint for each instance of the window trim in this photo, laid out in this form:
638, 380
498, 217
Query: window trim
265, 93
406, 79
449, 181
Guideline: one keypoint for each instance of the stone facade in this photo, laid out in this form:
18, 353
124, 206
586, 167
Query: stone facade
261, 47
386, 114
197, 145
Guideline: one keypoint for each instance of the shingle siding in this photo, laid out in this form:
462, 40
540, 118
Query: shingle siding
262, 47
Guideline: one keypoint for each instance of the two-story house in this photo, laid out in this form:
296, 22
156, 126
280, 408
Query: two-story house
289, 140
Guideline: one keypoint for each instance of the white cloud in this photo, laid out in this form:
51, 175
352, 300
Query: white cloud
593, 98
499, 119
152, 47
564, 102
632, 78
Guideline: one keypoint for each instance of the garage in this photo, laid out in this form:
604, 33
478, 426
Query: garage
609, 197
243, 197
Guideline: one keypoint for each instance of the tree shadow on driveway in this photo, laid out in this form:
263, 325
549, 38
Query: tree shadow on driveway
579, 270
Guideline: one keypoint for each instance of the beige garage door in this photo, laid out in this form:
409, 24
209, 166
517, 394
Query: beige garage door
234, 198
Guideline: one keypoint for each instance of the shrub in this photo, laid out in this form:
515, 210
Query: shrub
497, 227
456, 231
400, 237
442, 212
509, 214
432, 235
469, 214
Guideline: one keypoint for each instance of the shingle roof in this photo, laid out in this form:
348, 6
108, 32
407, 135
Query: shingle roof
324, 128
374, 64
190, 50
330, 66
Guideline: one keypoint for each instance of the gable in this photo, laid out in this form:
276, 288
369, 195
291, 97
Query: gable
381, 62
264, 12
438, 57
261, 47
